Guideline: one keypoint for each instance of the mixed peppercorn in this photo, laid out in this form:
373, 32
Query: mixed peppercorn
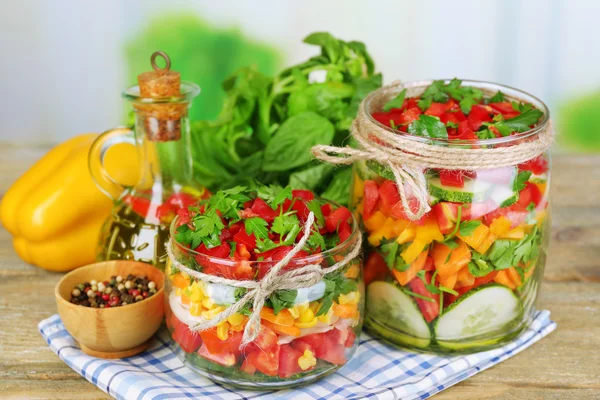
117, 291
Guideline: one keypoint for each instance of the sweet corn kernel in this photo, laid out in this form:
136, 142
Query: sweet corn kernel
327, 318
210, 314
306, 325
294, 312
350, 298
195, 309
223, 330
298, 309
208, 303
307, 315
239, 327
236, 319
197, 294
307, 360
178, 292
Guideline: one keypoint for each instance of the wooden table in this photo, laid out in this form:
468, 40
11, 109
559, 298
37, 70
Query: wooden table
565, 365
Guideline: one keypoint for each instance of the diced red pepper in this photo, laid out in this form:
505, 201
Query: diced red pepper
375, 268
503, 107
371, 197
538, 165
531, 194
437, 109
244, 238
478, 115
263, 210
430, 309
336, 218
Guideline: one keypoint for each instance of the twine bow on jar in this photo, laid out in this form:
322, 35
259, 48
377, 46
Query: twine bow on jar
408, 156
259, 291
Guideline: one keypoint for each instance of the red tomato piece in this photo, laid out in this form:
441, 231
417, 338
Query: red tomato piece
390, 204
429, 265
450, 298
350, 339
244, 238
504, 107
452, 178
223, 358
436, 109
371, 197
538, 165
344, 231
263, 210
266, 340
184, 216
478, 115
336, 218
515, 213
212, 341
430, 309
409, 115
326, 209
266, 362
181, 200
375, 268
305, 195
531, 194
299, 206
331, 351
288, 361
221, 251
326, 346
189, 341
140, 205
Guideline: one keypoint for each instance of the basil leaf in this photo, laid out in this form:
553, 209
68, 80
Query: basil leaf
428, 126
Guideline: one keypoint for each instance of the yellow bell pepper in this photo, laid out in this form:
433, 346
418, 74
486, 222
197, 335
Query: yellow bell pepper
55, 211
429, 231
476, 238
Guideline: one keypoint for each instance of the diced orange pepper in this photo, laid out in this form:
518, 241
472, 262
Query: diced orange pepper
353, 271
180, 281
345, 310
447, 281
478, 235
291, 330
385, 231
411, 253
399, 226
375, 222
465, 278
514, 276
459, 258
185, 299
541, 186
284, 317
407, 234
500, 226
358, 186
503, 278
516, 233
429, 231
406, 276
486, 243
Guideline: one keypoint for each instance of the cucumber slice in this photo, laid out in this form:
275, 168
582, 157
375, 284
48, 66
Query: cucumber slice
380, 170
473, 191
483, 311
390, 309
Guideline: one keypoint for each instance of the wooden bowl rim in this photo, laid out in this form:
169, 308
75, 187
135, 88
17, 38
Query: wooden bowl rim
100, 265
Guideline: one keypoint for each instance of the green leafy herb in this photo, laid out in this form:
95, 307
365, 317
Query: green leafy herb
439, 92
256, 226
478, 266
497, 98
521, 122
315, 207
468, 227
522, 178
335, 285
284, 224
428, 126
282, 299
396, 102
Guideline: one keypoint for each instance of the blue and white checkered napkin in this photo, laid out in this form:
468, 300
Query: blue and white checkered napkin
377, 370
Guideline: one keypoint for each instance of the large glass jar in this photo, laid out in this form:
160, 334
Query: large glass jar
294, 347
464, 277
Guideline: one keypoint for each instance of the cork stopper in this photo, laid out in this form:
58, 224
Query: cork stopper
162, 121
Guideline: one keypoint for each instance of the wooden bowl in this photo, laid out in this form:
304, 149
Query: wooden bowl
111, 332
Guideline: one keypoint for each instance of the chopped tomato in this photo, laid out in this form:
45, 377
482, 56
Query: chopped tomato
326, 209
538, 165
371, 197
478, 115
389, 199
223, 358
212, 341
429, 265
465, 132
350, 339
184, 216
408, 116
503, 107
515, 213
325, 346
140, 205
336, 218
263, 210
244, 238
305, 195
484, 280
189, 341
452, 178
531, 194
288, 361
299, 206
375, 268
436, 109
265, 361
265, 340
181, 200
430, 309
344, 231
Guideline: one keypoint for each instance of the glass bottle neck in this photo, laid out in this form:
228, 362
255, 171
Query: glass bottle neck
165, 165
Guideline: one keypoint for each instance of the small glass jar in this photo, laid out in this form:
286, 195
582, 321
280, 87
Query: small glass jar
294, 346
485, 242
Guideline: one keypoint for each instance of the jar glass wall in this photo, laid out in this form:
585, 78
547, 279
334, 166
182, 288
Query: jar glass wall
464, 277
294, 347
